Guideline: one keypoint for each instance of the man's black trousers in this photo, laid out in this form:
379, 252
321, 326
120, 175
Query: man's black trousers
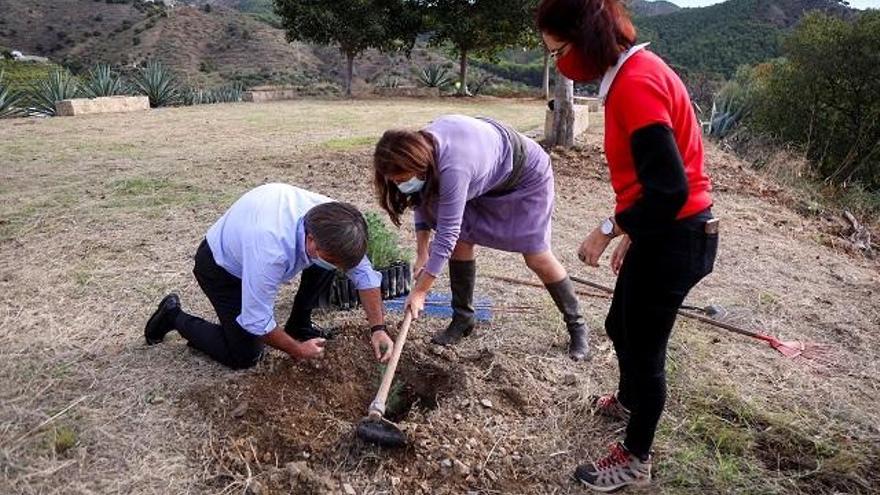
228, 342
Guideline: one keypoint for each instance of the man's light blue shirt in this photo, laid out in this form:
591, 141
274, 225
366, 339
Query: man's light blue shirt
261, 239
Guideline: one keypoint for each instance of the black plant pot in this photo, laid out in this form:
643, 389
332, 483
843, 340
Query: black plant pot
342, 294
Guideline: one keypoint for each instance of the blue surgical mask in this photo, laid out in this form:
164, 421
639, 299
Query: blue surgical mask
411, 186
324, 264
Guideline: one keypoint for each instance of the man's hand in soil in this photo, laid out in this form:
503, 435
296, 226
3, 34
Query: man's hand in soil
382, 346
280, 340
310, 349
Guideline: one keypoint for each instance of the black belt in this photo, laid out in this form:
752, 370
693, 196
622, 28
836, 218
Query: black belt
518, 147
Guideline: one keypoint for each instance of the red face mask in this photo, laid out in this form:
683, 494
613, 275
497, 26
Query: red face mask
575, 66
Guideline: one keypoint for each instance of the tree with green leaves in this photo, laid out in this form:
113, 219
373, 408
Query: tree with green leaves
478, 27
353, 25
825, 96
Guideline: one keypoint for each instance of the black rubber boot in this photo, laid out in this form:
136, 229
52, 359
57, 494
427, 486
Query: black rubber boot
462, 279
566, 300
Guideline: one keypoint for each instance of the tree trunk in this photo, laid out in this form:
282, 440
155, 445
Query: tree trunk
349, 74
463, 74
546, 75
563, 113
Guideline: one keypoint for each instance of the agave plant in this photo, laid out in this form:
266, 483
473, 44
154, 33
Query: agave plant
193, 96
158, 83
102, 81
435, 76
43, 95
9, 100
732, 105
228, 94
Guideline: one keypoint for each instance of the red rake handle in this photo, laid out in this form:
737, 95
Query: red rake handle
704, 319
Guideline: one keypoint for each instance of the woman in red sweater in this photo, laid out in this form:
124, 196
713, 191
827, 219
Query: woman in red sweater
663, 214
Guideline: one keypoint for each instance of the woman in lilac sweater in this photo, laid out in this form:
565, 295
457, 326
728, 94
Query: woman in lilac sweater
473, 182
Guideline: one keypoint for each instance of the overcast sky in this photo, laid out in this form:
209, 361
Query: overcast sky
859, 4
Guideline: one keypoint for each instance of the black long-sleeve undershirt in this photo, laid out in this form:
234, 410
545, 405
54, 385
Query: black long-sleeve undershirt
661, 173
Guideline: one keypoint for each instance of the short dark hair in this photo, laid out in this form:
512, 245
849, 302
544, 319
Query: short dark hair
339, 229
600, 29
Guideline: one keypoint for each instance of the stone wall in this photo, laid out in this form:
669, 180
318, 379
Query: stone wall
270, 93
110, 104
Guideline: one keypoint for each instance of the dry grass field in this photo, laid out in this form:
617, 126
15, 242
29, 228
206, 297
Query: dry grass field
100, 217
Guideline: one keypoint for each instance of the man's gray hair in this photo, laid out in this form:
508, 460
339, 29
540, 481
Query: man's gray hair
339, 229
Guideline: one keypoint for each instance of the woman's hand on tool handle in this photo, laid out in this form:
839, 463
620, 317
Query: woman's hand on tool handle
620, 253
415, 303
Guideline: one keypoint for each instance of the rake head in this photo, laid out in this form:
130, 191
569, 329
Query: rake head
788, 348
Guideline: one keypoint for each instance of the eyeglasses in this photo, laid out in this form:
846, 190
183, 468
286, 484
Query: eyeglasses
557, 52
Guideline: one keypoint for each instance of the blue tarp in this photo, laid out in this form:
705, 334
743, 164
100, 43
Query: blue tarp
438, 306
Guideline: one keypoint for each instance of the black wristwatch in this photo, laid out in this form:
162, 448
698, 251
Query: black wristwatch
378, 328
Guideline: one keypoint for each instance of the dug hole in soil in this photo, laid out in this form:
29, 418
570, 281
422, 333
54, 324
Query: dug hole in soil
288, 427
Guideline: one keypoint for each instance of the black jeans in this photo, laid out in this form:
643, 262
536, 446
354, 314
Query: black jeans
656, 276
228, 342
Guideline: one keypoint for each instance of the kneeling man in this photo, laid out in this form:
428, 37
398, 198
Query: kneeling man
266, 238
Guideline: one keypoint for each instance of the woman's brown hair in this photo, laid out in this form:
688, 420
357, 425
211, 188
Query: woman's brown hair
398, 152
600, 29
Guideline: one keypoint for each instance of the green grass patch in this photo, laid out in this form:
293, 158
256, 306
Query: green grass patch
152, 192
64, 439
21, 75
349, 143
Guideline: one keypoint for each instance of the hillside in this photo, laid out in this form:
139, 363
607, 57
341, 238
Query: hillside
719, 38
206, 46
651, 7
234, 40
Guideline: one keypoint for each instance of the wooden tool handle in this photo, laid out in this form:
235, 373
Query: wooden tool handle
377, 407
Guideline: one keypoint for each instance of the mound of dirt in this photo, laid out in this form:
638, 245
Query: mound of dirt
290, 423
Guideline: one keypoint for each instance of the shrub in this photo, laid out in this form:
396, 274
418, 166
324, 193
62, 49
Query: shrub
482, 84
9, 99
382, 246
158, 83
435, 76
102, 81
825, 97
389, 82
60, 85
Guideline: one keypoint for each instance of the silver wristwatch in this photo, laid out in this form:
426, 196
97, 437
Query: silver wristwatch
607, 227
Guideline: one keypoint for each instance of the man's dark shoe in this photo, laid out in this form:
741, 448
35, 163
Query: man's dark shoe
313, 331
162, 320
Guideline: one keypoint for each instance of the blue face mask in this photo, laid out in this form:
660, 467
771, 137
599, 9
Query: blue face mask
324, 264
411, 186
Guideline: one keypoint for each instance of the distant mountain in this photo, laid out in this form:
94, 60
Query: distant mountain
649, 8
720, 38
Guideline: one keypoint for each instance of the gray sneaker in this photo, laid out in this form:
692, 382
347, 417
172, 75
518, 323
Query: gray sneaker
617, 470
610, 407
